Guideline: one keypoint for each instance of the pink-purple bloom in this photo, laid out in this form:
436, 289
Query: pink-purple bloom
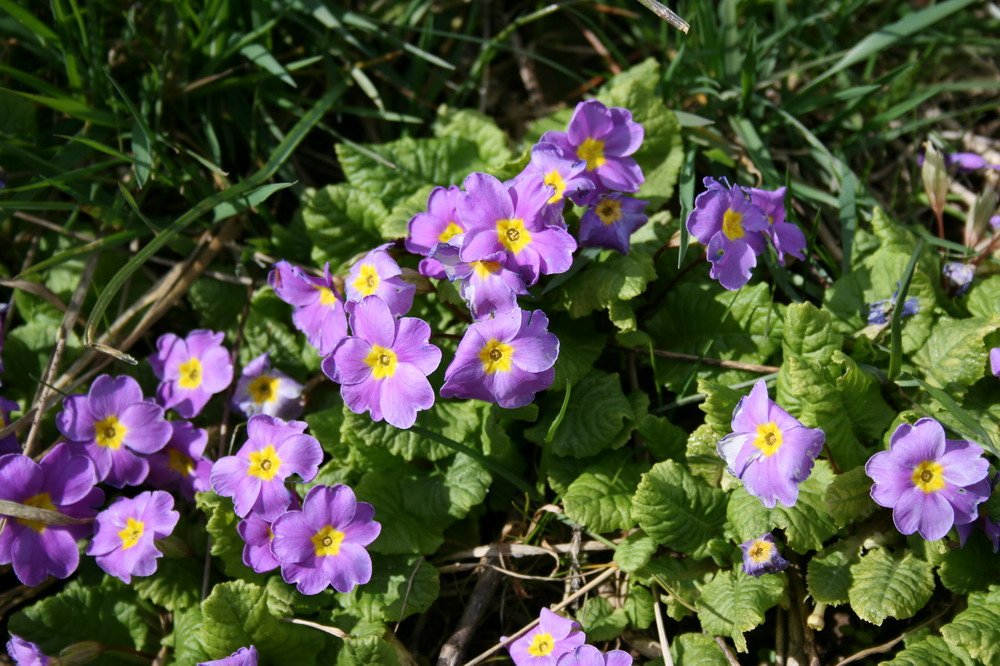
324, 544
318, 307
769, 449
61, 481
383, 367
181, 465
957, 277
610, 221
255, 476
8, 444
546, 642
123, 543
487, 285
377, 274
508, 219
257, 535
114, 425
761, 556
787, 238
191, 370
930, 483
245, 656
505, 360
989, 526
588, 655
26, 653
725, 220
266, 390
995, 361
604, 138
438, 225
563, 172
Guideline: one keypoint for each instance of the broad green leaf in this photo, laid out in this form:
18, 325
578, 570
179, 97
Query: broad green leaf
719, 404
972, 567
325, 425
593, 420
607, 278
580, 345
697, 650
237, 614
479, 128
601, 498
681, 579
703, 459
929, 651
890, 585
848, 497
227, 544
808, 333
861, 397
600, 620
342, 221
829, 574
401, 585
457, 420
639, 607
217, 303
663, 439
184, 637
734, 602
984, 297
175, 585
368, 650
677, 509
634, 552
976, 630
955, 355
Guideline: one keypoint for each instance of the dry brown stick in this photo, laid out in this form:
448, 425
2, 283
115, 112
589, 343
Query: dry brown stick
454, 648
44, 388
694, 358
661, 632
730, 657
885, 647
52, 226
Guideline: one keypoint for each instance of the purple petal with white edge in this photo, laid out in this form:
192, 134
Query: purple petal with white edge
911, 445
372, 321
69, 477
752, 409
729, 448
147, 430
300, 454
404, 394
963, 462
110, 395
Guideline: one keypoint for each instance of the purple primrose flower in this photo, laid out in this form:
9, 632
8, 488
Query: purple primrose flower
255, 476
487, 286
761, 556
123, 543
319, 311
547, 641
769, 449
562, 171
25, 653
383, 367
610, 222
588, 655
61, 482
8, 444
930, 483
505, 360
245, 656
438, 225
190, 370
957, 277
257, 535
377, 274
879, 312
786, 237
989, 526
323, 544
263, 390
604, 138
181, 465
114, 425
995, 361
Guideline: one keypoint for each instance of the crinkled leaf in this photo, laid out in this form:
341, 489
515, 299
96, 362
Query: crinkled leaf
929, 651
175, 585
681, 579
677, 509
218, 303
226, 542
829, 574
477, 127
848, 497
367, 650
456, 419
719, 404
639, 607
184, 638
634, 552
955, 355
703, 459
663, 439
600, 620
976, 630
342, 221
697, 650
890, 585
808, 333
607, 278
971, 568
601, 498
984, 297
401, 585
734, 602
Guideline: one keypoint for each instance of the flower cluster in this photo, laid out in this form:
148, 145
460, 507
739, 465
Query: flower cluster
733, 222
559, 641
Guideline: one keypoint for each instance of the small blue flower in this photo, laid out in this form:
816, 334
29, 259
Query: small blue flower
760, 556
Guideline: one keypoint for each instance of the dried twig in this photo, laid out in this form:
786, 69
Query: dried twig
694, 358
454, 648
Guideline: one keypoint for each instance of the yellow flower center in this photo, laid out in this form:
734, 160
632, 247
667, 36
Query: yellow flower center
496, 356
327, 541
768, 438
382, 361
39, 501
760, 551
190, 374
109, 433
732, 224
592, 151
555, 180
326, 295
265, 463
928, 476
449, 232
179, 462
541, 645
264, 389
512, 235
367, 281
609, 210
133, 531
484, 269
770, 219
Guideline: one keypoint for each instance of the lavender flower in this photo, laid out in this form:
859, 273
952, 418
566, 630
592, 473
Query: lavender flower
732, 227
604, 138
190, 370
8, 444
319, 311
245, 656
181, 465
377, 274
383, 368
995, 361
123, 544
561, 171
323, 544
786, 237
549, 640
257, 535
761, 556
61, 482
769, 449
263, 390
25, 653
929, 482
487, 286
989, 526
508, 219
963, 162
438, 225
610, 222
879, 312
957, 277
504, 360
255, 476
588, 655
113, 424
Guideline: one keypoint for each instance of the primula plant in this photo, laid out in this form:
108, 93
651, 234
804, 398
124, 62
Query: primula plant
621, 381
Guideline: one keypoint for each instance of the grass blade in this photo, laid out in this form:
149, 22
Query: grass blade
896, 331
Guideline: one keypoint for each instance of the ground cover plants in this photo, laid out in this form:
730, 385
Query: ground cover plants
440, 332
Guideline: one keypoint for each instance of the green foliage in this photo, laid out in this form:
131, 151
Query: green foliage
829, 574
401, 585
976, 630
175, 585
697, 650
634, 552
601, 621
594, 420
848, 497
734, 603
955, 355
600, 498
889, 584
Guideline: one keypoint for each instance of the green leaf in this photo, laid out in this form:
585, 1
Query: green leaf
601, 498
601, 621
607, 278
237, 614
593, 420
457, 420
734, 602
663, 439
829, 574
984, 297
848, 497
808, 333
634, 552
580, 345
929, 651
681, 578
184, 638
970, 568
219, 304
639, 607
491, 142
342, 220
401, 586
261, 57
719, 404
954, 356
703, 459
697, 650
677, 509
976, 630
227, 544
175, 585
367, 650
890, 585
